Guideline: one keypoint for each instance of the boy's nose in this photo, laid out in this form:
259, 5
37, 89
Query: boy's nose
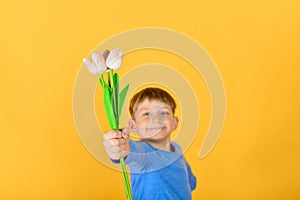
157, 118
157, 115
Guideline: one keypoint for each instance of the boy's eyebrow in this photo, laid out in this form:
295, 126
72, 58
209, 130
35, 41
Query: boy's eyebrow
147, 108
143, 109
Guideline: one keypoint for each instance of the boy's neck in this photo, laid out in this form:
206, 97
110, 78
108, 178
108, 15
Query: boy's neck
162, 145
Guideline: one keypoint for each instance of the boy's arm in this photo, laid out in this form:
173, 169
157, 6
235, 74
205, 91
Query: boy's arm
116, 143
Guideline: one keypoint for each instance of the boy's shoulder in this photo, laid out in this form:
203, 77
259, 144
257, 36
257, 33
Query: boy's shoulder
139, 144
176, 146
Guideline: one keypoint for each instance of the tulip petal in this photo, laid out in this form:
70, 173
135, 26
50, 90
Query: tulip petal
114, 59
100, 63
105, 53
94, 58
91, 67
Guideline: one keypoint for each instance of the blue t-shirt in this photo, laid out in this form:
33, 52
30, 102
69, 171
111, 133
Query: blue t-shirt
157, 174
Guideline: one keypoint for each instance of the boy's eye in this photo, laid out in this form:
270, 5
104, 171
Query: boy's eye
147, 114
164, 113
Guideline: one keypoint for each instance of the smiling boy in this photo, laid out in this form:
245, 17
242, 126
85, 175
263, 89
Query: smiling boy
158, 170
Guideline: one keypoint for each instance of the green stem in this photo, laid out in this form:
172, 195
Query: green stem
126, 180
111, 73
112, 85
123, 166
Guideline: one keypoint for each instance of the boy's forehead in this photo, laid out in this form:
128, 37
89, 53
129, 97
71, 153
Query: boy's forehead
147, 104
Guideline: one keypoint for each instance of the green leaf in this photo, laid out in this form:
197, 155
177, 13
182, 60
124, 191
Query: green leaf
122, 96
102, 82
115, 97
109, 109
114, 102
108, 77
116, 79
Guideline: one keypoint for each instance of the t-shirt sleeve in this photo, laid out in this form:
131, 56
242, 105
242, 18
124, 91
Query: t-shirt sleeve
136, 157
192, 177
136, 150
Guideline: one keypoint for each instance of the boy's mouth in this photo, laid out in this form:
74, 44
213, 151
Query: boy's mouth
152, 131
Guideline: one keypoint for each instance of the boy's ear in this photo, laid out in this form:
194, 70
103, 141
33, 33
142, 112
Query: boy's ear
132, 126
175, 123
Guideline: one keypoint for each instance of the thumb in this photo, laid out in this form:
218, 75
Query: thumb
125, 135
125, 132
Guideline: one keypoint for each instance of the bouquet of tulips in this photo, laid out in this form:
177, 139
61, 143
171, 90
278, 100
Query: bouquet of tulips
108, 61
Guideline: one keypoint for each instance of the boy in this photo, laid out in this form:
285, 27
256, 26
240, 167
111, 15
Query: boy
158, 169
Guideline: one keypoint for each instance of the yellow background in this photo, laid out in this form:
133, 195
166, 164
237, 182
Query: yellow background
255, 45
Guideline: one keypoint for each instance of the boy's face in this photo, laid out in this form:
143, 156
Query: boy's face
154, 120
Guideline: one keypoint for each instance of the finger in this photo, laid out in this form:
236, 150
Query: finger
122, 147
117, 142
114, 143
126, 130
115, 156
113, 134
124, 153
115, 153
125, 134
112, 150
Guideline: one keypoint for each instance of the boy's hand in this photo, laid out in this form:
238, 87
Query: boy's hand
116, 143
